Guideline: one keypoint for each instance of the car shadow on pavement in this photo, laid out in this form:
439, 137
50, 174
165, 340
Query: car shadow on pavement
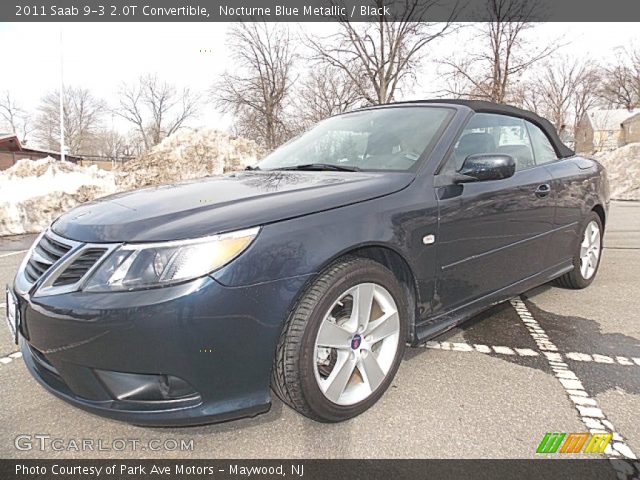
582, 335
501, 326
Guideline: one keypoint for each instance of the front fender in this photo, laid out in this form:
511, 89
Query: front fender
306, 245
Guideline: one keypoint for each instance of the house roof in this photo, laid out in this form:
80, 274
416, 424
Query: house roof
610, 119
5, 136
632, 118
12, 142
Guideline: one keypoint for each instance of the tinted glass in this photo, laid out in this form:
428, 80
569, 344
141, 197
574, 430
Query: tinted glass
384, 139
493, 133
542, 147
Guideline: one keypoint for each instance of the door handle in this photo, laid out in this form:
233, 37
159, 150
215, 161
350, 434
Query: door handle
543, 190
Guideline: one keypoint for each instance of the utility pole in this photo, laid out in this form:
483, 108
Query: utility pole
62, 148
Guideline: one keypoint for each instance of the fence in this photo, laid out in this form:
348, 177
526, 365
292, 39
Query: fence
8, 159
104, 163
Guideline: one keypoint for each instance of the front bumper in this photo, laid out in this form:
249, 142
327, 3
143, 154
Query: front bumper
217, 343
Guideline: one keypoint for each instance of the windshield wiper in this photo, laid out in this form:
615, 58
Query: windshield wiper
251, 168
320, 166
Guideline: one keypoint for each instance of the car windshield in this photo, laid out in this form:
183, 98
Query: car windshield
380, 139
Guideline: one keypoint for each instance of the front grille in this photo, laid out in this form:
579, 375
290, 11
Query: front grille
59, 265
44, 256
79, 267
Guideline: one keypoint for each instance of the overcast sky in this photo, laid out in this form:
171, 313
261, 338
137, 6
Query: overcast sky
100, 56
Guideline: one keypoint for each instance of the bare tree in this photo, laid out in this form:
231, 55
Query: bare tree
111, 144
156, 108
380, 56
525, 94
503, 53
14, 117
585, 96
565, 87
556, 86
83, 115
617, 89
326, 91
635, 62
256, 92
621, 80
562, 90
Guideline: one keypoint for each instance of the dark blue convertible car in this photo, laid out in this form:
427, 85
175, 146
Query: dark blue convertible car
310, 272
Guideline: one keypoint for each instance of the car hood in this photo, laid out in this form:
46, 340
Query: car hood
220, 204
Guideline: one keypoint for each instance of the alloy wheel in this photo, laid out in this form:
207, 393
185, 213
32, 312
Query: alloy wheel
590, 250
356, 344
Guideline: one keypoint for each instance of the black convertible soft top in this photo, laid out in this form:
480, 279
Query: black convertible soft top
481, 106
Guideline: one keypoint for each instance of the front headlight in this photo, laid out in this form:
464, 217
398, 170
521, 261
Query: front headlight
146, 265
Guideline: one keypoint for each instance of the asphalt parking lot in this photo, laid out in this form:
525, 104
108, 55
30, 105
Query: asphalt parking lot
554, 360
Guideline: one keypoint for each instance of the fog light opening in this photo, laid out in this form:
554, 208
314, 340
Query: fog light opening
144, 387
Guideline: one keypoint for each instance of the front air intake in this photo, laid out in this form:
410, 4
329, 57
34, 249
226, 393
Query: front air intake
58, 265
46, 253
79, 267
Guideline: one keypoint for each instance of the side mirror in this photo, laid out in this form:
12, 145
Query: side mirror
486, 166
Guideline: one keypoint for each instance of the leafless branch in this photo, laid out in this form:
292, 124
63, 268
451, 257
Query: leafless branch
156, 108
326, 91
621, 80
502, 53
255, 93
378, 57
15, 117
83, 115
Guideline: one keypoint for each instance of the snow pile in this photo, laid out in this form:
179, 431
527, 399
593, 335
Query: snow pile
34, 192
623, 169
188, 154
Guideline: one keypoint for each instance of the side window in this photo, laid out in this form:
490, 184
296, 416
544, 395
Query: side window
542, 148
493, 133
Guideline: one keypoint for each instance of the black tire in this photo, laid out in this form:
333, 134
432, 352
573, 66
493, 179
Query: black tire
574, 278
293, 378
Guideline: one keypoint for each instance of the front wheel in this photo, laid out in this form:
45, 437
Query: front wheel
587, 257
343, 342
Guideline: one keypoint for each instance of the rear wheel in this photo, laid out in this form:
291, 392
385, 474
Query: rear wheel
343, 342
587, 258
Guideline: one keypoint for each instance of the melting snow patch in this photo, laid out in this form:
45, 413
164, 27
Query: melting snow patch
34, 192
623, 170
188, 154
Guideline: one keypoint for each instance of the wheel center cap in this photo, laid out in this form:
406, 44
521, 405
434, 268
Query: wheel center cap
356, 341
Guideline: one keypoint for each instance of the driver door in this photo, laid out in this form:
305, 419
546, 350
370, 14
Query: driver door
491, 233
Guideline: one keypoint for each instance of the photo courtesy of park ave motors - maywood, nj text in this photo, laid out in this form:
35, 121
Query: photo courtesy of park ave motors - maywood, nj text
319, 239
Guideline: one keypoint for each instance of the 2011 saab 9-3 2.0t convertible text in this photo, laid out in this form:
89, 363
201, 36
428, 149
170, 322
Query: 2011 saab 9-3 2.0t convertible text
309, 273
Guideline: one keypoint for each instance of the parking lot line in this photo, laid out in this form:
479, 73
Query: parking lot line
528, 352
590, 414
10, 358
12, 253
